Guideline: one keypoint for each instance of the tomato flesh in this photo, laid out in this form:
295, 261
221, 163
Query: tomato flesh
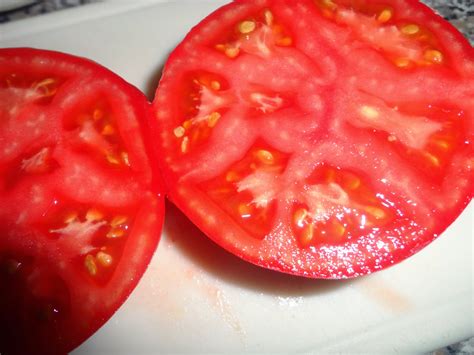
338, 134
80, 207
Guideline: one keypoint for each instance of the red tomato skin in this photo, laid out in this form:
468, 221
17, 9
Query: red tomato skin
229, 234
18, 333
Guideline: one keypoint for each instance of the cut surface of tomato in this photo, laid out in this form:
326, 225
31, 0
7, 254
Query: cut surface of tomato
322, 138
80, 207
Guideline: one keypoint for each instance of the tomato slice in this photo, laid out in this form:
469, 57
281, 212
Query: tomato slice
80, 207
323, 138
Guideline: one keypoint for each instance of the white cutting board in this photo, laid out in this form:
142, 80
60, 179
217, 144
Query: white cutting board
197, 298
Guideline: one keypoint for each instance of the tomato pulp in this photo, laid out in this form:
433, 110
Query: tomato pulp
322, 138
80, 207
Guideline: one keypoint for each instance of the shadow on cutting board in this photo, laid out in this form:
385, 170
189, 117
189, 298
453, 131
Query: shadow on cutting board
194, 244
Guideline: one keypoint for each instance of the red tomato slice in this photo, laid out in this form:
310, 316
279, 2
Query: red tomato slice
323, 138
80, 208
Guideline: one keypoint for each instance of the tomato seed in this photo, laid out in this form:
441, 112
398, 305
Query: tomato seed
307, 234
232, 52
369, 112
184, 144
115, 232
410, 29
442, 144
91, 266
70, 217
354, 184
244, 210
45, 88
402, 62
330, 4
384, 16
338, 229
118, 220
125, 158
187, 124
246, 27
215, 85
104, 259
391, 138
94, 215
108, 130
179, 132
432, 159
268, 17
265, 157
213, 118
433, 56
299, 216
112, 159
376, 212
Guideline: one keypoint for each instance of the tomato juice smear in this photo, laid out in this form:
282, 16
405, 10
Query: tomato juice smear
344, 93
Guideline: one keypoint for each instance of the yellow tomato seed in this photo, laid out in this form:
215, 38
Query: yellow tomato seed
44, 87
213, 118
115, 232
90, 265
354, 184
265, 156
432, 159
410, 29
402, 62
104, 259
118, 220
244, 210
442, 144
94, 215
376, 212
339, 229
299, 216
179, 131
125, 158
434, 56
187, 124
268, 17
232, 52
112, 159
307, 234
385, 15
246, 27
330, 4
70, 217
215, 85
184, 144
369, 112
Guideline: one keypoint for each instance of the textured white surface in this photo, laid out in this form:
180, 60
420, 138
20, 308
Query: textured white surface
196, 297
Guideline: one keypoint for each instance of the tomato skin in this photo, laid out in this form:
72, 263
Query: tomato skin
69, 260
195, 167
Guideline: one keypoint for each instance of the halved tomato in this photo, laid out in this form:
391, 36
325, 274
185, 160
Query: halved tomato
80, 207
323, 138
